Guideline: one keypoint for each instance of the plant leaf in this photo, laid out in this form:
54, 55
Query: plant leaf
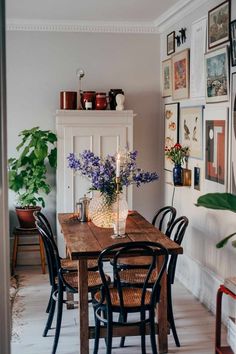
223, 242
222, 201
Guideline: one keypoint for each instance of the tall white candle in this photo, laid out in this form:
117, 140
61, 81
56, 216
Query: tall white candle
118, 166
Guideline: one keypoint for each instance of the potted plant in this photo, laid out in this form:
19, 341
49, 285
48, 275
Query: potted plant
220, 201
28, 172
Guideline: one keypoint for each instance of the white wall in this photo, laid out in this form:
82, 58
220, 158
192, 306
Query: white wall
41, 64
202, 267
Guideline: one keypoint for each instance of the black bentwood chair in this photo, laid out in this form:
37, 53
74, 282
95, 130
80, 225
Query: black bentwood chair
120, 299
65, 262
134, 276
162, 220
63, 280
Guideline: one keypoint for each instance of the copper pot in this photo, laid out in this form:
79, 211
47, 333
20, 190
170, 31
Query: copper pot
68, 99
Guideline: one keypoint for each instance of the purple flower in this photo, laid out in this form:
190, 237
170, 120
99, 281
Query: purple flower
102, 172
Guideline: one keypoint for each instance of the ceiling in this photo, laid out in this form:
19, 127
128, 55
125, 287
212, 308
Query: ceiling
130, 11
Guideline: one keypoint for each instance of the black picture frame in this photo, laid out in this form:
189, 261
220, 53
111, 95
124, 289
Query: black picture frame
233, 42
170, 43
216, 24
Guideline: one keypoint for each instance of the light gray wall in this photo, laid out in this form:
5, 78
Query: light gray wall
202, 267
41, 64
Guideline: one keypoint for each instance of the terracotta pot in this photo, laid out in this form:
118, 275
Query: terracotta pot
25, 216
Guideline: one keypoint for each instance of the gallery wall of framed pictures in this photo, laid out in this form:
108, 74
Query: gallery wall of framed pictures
199, 82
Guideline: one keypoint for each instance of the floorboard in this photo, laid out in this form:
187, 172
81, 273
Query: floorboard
195, 324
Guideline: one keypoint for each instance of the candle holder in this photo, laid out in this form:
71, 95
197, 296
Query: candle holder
119, 220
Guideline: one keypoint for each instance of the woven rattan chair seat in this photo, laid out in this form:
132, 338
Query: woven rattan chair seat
131, 297
136, 276
94, 279
69, 264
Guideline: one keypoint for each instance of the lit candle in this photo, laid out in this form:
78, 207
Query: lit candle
118, 166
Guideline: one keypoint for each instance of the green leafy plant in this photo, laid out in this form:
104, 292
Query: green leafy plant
28, 172
220, 201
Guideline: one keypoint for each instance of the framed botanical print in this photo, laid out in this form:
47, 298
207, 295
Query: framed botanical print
166, 78
219, 24
171, 43
216, 143
180, 75
233, 42
191, 130
232, 163
171, 116
217, 75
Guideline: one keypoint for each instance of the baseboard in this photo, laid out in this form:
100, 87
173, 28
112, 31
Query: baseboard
202, 283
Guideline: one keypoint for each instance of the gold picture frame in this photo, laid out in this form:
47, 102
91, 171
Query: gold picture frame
180, 75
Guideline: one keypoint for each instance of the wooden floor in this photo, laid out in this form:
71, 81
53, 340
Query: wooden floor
195, 324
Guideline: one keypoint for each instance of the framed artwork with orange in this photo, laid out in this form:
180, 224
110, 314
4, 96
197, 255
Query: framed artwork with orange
180, 75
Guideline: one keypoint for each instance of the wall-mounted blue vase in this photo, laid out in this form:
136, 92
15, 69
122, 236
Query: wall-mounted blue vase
177, 175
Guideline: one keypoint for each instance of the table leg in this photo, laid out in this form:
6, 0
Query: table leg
162, 314
83, 306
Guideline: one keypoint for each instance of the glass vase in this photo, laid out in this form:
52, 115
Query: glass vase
104, 215
178, 175
120, 213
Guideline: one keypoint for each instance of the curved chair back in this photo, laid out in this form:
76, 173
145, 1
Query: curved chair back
176, 232
164, 218
132, 249
53, 258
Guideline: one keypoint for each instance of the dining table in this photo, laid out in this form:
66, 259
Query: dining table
84, 241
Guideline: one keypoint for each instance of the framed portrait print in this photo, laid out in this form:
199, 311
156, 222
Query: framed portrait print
232, 163
171, 43
217, 75
171, 116
219, 24
180, 75
216, 142
233, 42
166, 78
191, 130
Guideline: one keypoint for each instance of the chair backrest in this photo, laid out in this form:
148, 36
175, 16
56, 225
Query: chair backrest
52, 254
176, 232
132, 249
164, 218
39, 216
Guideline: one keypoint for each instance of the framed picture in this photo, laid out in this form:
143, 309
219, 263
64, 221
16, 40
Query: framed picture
217, 75
191, 130
171, 116
166, 78
232, 163
216, 153
219, 24
233, 42
171, 43
180, 75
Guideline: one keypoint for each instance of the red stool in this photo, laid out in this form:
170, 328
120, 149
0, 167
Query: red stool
218, 348
19, 232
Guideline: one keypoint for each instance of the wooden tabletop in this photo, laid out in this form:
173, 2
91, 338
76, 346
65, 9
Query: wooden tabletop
85, 240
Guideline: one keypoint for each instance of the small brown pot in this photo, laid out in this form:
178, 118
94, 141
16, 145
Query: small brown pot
25, 216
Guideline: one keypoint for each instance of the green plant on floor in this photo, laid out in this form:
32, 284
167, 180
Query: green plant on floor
220, 201
28, 172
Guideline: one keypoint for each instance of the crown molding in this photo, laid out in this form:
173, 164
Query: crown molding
181, 9
81, 26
